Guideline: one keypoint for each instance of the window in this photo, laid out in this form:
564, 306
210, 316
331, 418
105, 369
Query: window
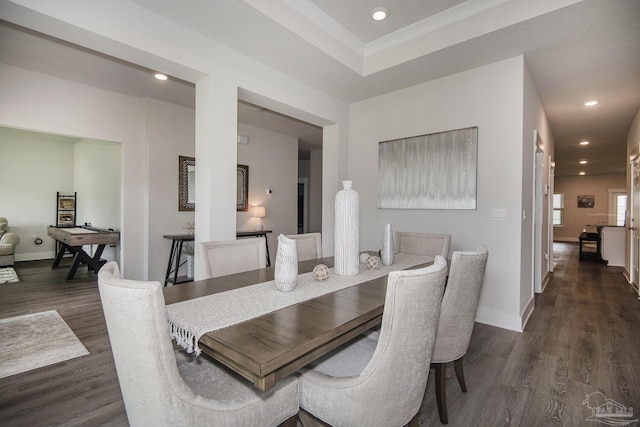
558, 210
621, 208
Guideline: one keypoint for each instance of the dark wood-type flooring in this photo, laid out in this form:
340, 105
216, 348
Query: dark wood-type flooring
584, 336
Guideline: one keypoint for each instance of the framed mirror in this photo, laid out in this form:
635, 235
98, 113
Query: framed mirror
186, 183
242, 188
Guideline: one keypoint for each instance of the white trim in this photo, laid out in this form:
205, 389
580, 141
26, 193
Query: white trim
612, 219
499, 319
528, 310
305, 206
566, 239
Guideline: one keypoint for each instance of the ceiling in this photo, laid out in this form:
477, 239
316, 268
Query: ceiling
576, 50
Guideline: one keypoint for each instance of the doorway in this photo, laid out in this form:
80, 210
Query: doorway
634, 223
303, 205
537, 217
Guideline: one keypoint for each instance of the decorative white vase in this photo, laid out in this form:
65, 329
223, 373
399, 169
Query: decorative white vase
386, 253
347, 231
286, 270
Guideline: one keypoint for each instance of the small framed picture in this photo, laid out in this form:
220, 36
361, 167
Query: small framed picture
66, 218
66, 203
586, 201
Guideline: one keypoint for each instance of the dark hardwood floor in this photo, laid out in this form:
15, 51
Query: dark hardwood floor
584, 336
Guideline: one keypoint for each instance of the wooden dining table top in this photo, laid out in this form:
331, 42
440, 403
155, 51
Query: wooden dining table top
274, 345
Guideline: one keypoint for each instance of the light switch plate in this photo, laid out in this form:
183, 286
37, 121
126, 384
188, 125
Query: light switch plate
498, 214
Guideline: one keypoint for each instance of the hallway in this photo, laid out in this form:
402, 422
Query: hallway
583, 337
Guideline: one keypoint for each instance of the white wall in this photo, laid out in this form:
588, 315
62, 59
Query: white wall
273, 164
47, 104
57, 164
534, 121
221, 76
97, 180
33, 167
170, 134
489, 97
315, 193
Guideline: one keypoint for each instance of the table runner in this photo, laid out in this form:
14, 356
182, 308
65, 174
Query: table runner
189, 320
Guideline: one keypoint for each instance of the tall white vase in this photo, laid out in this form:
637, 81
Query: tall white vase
285, 274
386, 253
347, 231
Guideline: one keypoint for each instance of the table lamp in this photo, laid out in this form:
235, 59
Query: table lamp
259, 212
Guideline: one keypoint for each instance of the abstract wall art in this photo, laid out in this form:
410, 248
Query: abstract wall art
434, 171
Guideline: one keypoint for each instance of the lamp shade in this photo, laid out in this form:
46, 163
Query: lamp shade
259, 211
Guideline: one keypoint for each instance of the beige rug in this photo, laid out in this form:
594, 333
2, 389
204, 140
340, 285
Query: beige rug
8, 275
36, 340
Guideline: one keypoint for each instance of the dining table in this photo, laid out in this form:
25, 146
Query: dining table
265, 345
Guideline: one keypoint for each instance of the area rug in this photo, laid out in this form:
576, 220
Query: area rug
36, 340
8, 275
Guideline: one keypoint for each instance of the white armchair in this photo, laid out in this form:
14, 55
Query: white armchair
8, 242
309, 245
368, 383
231, 256
162, 387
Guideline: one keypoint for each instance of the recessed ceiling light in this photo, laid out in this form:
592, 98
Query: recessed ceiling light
581, 173
160, 76
379, 13
591, 103
583, 162
584, 142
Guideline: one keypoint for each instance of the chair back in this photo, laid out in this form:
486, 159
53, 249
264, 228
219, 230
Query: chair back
136, 318
231, 256
422, 243
392, 385
460, 304
309, 245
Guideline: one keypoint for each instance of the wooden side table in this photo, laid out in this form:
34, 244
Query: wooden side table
177, 241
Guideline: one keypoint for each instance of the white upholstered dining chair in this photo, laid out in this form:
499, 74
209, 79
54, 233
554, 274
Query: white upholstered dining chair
422, 243
309, 245
231, 256
161, 387
457, 316
369, 383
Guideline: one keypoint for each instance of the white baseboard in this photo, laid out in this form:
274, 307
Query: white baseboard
499, 319
545, 281
35, 256
567, 239
528, 310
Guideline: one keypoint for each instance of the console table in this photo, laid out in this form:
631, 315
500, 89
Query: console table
258, 233
177, 242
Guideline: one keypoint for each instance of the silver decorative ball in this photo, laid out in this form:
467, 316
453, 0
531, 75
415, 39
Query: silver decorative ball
320, 272
364, 257
373, 262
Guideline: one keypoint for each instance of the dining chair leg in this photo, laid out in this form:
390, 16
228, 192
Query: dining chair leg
457, 364
441, 395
